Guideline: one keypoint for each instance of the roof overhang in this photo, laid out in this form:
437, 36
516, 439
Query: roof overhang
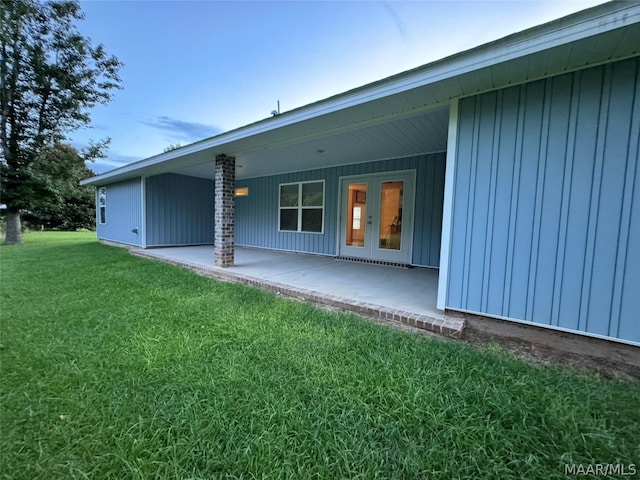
407, 113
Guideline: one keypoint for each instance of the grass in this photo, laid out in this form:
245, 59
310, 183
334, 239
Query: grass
118, 367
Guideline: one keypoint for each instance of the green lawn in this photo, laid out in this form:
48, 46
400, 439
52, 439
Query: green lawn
118, 367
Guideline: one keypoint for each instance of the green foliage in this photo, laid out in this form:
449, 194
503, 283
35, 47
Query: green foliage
171, 146
51, 76
59, 200
122, 367
76, 213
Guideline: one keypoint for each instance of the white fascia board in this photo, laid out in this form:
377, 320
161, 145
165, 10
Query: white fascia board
591, 22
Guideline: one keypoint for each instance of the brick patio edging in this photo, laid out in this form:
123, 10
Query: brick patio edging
448, 326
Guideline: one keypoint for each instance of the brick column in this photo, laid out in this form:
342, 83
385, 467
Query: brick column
225, 180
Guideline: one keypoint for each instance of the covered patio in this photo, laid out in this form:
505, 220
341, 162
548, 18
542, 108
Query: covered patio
407, 296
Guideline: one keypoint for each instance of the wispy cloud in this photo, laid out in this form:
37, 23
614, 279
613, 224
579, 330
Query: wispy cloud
101, 165
181, 131
401, 26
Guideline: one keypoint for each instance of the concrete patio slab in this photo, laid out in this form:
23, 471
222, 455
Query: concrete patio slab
407, 296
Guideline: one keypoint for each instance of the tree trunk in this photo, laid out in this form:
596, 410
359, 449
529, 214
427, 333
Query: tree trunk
14, 231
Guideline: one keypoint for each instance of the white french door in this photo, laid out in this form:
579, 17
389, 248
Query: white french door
376, 216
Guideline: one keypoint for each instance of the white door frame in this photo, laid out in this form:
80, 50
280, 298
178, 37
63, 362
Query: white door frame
409, 177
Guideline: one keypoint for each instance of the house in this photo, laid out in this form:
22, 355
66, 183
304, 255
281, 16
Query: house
511, 167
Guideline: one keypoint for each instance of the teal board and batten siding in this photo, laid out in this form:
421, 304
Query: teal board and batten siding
257, 214
179, 210
123, 213
546, 203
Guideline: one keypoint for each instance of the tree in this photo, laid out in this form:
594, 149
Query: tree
50, 77
171, 146
63, 204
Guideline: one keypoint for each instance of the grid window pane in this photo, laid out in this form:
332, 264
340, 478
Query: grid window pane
289, 195
102, 205
289, 219
312, 220
301, 207
312, 194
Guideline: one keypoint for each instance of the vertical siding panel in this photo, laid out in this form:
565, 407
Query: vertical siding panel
500, 211
608, 233
257, 204
428, 209
149, 224
435, 227
425, 189
594, 203
542, 149
589, 85
155, 218
246, 202
628, 325
480, 208
457, 261
473, 249
491, 202
558, 205
555, 157
420, 214
270, 218
467, 206
519, 108
179, 210
254, 207
329, 240
626, 301
567, 175
525, 214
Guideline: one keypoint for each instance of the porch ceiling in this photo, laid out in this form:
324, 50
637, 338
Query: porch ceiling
425, 132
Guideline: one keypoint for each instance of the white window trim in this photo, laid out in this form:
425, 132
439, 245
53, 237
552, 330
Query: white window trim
99, 207
300, 208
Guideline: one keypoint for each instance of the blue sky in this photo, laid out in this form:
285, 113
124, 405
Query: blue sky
197, 68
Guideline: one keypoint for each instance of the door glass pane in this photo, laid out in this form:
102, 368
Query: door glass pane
391, 197
356, 215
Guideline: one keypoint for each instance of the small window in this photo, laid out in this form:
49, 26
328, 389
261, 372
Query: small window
302, 207
102, 205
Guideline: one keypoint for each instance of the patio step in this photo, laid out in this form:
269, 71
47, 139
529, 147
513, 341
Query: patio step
443, 325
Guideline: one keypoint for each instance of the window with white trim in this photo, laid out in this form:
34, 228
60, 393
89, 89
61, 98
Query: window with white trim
102, 205
301, 207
